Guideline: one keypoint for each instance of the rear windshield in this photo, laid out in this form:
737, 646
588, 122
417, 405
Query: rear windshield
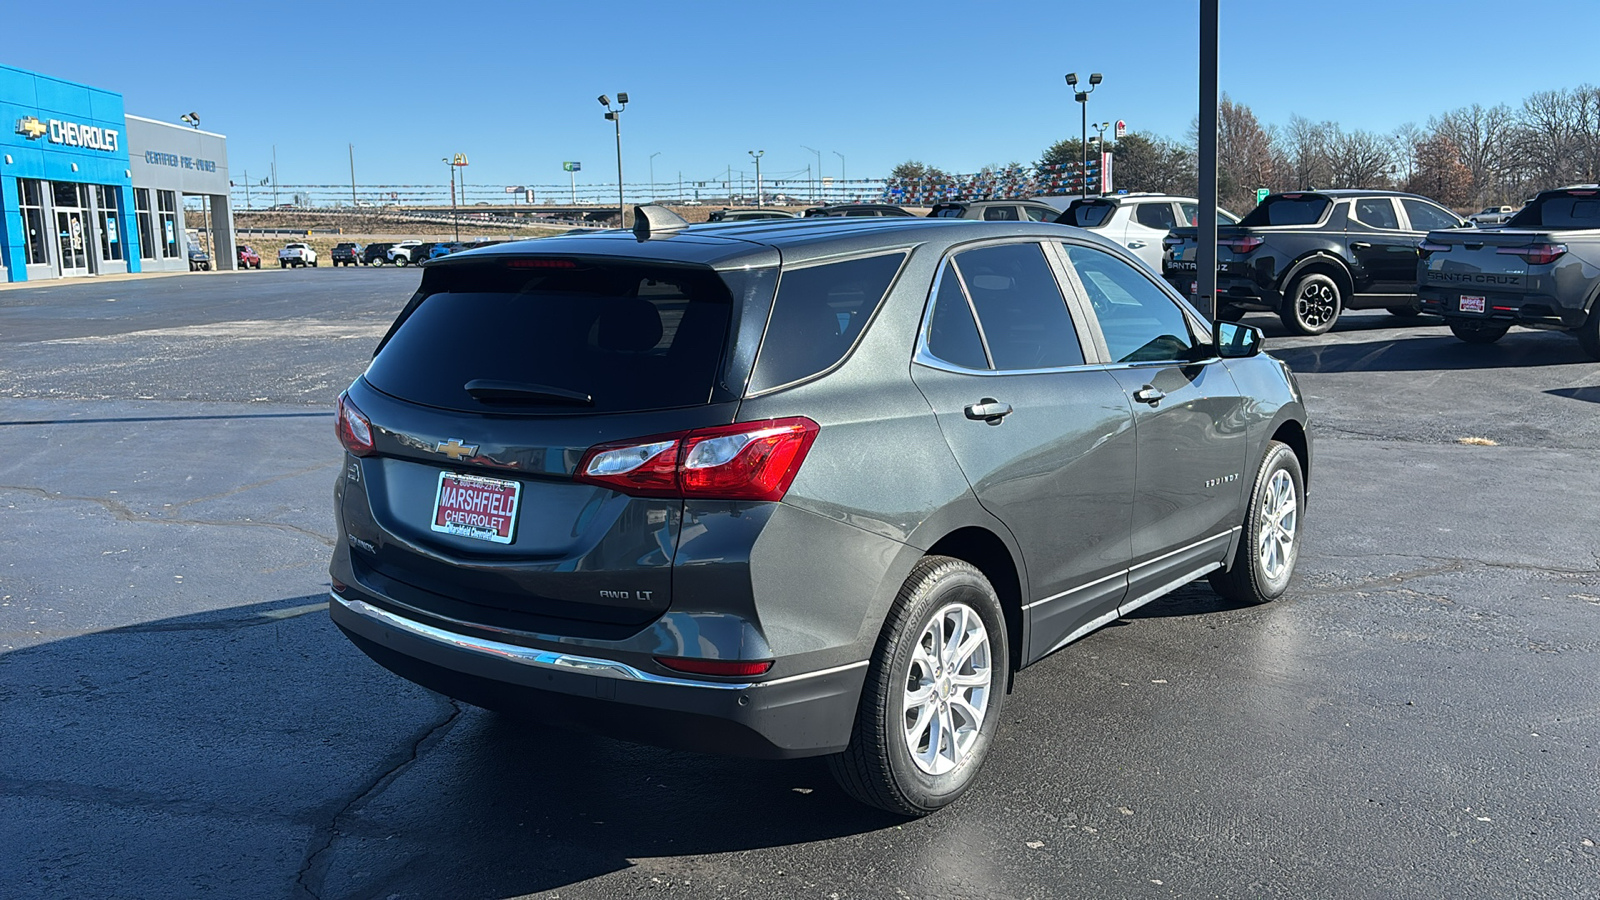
1287, 209
947, 211
817, 316
1575, 209
628, 336
1087, 213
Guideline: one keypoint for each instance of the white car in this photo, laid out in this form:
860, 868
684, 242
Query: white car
1494, 215
400, 254
297, 255
1139, 222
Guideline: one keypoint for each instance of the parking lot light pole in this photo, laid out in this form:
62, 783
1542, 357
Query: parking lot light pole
653, 175
841, 170
817, 185
452, 168
756, 155
615, 115
1083, 140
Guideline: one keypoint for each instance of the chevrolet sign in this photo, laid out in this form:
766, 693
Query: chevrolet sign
71, 134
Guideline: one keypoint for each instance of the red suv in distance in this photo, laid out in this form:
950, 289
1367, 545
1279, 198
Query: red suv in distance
248, 257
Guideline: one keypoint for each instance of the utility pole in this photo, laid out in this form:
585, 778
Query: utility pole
653, 175
756, 155
817, 185
842, 180
274, 174
352, 175
247, 189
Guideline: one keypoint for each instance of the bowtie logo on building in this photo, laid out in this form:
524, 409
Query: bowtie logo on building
32, 128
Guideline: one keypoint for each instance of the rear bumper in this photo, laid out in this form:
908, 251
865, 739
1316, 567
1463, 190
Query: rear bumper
1232, 289
1533, 309
809, 714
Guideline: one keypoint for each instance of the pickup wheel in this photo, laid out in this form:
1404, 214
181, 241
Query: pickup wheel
1589, 332
1312, 305
283, 264
933, 694
1479, 332
313, 264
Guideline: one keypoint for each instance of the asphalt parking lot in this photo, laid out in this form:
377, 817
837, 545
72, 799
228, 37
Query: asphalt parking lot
1419, 717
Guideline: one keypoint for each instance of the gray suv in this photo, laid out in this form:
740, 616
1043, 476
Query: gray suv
801, 487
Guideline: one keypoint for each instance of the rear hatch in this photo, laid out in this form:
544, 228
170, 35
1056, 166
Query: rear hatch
1512, 261
1088, 212
483, 398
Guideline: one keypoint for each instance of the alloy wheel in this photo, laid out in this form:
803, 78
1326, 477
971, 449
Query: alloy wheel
947, 689
1317, 304
1279, 518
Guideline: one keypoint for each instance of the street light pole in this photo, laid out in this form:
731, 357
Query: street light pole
653, 175
756, 155
615, 115
842, 179
1083, 140
454, 222
817, 186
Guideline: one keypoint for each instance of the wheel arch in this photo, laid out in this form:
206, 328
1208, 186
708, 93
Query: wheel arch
1292, 433
1319, 262
993, 557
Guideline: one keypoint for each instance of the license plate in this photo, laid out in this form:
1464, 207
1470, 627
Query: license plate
484, 509
1471, 304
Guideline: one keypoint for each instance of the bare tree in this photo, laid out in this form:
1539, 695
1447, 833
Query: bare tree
1438, 172
1305, 150
1483, 136
1358, 159
1403, 143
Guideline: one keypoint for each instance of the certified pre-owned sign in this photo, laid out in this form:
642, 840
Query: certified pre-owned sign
71, 134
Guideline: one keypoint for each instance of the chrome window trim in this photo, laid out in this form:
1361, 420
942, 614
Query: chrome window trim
551, 659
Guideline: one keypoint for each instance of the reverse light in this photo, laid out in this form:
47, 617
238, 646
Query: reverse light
726, 668
744, 461
1241, 245
355, 431
1536, 254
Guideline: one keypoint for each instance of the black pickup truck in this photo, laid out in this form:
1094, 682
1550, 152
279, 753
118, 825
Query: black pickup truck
1310, 255
1539, 270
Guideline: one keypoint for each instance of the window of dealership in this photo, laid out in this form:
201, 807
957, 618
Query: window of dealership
87, 190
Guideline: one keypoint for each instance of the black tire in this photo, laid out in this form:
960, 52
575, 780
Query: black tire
878, 768
283, 264
378, 261
1475, 332
313, 264
402, 261
1249, 579
1406, 312
1589, 332
1312, 304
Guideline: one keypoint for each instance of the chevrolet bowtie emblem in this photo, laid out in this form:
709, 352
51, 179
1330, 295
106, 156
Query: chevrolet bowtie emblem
456, 450
32, 128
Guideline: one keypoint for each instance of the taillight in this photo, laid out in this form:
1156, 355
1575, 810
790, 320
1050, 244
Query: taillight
1536, 254
727, 668
745, 461
1241, 245
355, 431
1425, 248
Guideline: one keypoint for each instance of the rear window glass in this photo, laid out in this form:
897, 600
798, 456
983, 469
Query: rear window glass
1287, 209
631, 337
1087, 213
947, 212
1560, 211
818, 314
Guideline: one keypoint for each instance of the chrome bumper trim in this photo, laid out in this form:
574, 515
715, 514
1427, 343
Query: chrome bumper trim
550, 659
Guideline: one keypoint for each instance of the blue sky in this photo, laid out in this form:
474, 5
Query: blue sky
958, 85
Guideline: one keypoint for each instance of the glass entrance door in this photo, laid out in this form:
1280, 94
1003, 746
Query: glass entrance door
72, 228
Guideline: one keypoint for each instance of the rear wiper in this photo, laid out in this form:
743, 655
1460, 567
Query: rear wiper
487, 390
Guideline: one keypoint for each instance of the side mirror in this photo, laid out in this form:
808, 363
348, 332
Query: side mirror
1236, 341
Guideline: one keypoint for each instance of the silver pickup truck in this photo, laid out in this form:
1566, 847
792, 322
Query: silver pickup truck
1540, 270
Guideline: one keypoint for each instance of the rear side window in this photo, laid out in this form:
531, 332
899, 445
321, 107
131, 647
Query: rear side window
1376, 212
1087, 213
628, 336
1022, 314
952, 332
1000, 214
1139, 321
1287, 209
1155, 215
1041, 213
818, 314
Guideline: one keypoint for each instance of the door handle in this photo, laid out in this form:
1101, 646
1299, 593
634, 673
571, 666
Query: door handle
1360, 245
1150, 394
988, 410
1135, 245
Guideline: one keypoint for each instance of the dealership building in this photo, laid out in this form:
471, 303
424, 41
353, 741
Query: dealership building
86, 189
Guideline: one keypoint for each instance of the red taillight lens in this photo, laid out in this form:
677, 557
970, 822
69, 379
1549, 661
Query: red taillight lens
1536, 254
1242, 245
355, 432
749, 461
726, 668
746, 461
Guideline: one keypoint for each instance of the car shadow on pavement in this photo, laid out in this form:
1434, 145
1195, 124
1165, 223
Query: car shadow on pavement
1517, 350
282, 761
